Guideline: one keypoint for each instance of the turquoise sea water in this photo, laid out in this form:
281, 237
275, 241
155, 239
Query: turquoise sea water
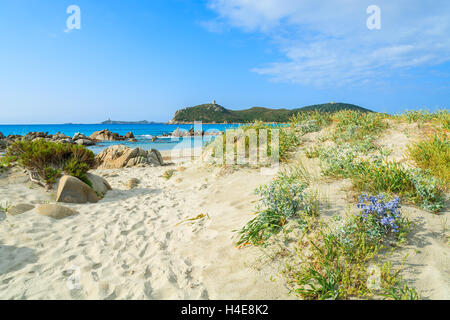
142, 132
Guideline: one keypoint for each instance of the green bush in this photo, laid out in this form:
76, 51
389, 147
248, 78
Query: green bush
386, 176
358, 128
421, 116
333, 261
377, 175
283, 198
428, 191
49, 159
311, 120
288, 140
433, 154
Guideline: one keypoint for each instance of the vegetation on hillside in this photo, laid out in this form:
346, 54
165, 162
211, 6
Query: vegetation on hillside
214, 113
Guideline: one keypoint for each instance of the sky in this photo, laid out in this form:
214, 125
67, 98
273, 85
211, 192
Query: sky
143, 60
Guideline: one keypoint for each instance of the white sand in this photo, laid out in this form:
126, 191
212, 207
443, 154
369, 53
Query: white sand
129, 246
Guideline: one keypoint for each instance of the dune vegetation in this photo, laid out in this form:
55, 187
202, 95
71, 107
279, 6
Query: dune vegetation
332, 258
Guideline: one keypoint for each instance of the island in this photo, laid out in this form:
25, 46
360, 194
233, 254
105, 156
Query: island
109, 121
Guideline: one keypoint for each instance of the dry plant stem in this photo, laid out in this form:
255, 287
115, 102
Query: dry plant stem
33, 179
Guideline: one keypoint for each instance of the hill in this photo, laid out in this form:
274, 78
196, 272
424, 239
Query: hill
214, 113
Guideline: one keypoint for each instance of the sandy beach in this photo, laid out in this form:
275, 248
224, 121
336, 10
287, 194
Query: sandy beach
136, 244
140, 244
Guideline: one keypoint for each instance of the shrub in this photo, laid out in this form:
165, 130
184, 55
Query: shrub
337, 162
354, 125
313, 120
288, 140
382, 218
378, 176
313, 152
428, 192
334, 262
75, 168
168, 174
49, 159
414, 116
282, 199
433, 154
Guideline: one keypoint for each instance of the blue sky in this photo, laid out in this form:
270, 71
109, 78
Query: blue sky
135, 60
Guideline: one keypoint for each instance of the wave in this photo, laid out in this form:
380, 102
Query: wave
144, 136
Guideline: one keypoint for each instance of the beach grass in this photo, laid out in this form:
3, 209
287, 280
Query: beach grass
432, 154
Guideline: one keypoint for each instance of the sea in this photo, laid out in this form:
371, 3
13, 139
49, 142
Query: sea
142, 132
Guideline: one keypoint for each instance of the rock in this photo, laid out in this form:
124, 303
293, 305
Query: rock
60, 136
99, 184
84, 142
132, 183
106, 135
132, 140
79, 135
129, 135
67, 140
20, 208
120, 156
212, 133
155, 157
178, 133
2, 136
3, 144
55, 211
73, 190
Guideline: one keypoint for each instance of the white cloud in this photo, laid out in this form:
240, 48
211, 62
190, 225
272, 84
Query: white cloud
327, 42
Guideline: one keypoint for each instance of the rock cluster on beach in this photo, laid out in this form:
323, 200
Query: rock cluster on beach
78, 138
98, 136
106, 135
120, 156
190, 133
